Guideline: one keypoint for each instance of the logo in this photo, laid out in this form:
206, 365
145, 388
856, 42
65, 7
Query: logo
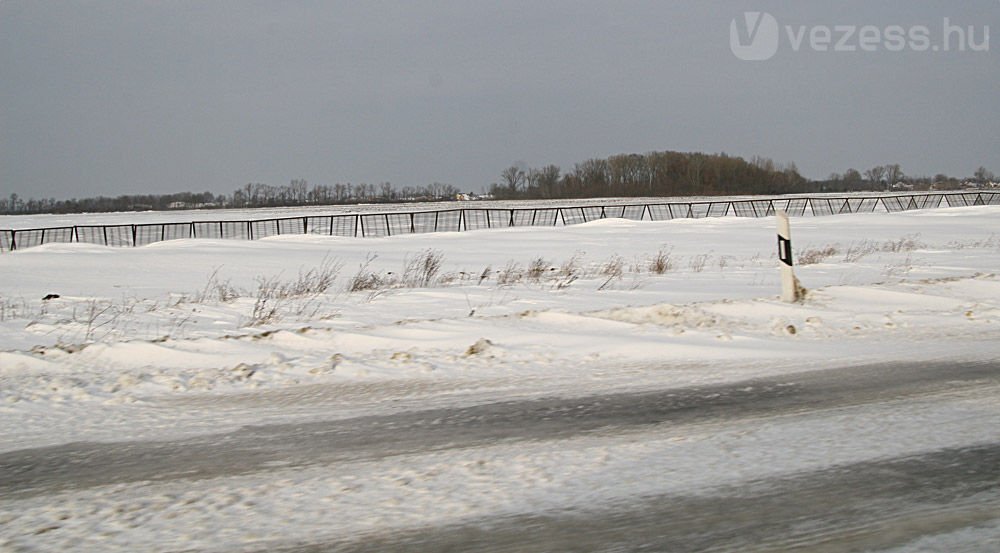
756, 39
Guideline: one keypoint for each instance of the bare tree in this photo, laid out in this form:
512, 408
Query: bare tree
513, 178
893, 174
544, 182
852, 179
875, 175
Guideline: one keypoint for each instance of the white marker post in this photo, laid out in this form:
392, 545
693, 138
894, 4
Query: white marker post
791, 290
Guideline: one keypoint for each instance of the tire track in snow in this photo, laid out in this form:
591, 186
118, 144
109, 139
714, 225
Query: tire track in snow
39, 471
862, 506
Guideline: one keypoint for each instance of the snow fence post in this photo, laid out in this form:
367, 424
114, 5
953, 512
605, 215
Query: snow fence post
791, 290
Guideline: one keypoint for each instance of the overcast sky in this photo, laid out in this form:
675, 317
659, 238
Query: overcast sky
115, 97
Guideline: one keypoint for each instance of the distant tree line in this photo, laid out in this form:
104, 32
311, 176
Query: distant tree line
891, 177
627, 175
14, 204
297, 193
652, 174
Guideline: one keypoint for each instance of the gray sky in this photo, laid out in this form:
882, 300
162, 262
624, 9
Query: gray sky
114, 97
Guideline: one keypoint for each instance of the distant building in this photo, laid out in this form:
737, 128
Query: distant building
187, 205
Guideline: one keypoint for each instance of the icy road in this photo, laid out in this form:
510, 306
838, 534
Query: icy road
859, 458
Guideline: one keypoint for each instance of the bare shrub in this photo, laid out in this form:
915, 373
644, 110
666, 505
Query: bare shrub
856, 251
661, 262
214, 290
537, 269
267, 300
365, 279
861, 249
907, 243
15, 309
510, 274
613, 269
421, 270
698, 262
571, 266
315, 281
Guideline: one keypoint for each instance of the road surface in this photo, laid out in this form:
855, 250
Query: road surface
945, 492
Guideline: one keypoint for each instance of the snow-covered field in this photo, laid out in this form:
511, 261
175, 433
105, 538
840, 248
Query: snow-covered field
191, 337
48, 220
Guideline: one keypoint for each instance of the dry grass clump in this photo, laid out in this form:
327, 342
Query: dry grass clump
660, 263
812, 256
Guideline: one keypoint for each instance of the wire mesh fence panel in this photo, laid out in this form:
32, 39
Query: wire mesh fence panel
955, 200
318, 225
744, 209
119, 235
895, 204
522, 217
659, 212
344, 225
796, 207
680, 211
820, 207
399, 223
28, 238
763, 208
430, 221
544, 217
264, 228
615, 212
782, 205
374, 225
990, 198
572, 216
36, 237
175, 231
208, 229
147, 234
500, 218
6, 240
475, 219
967, 199
701, 210
633, 212
593, 213
719, 209
233, 230
450, 221
859, 205
930, 201
296, 225
842, 206
90, 234
61, 235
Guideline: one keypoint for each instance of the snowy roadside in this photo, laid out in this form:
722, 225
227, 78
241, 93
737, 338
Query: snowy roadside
173, 339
